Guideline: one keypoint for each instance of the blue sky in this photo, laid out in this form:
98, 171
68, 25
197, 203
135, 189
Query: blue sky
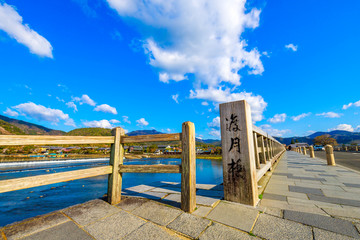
153, 65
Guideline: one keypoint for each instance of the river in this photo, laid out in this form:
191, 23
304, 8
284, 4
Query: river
22, 204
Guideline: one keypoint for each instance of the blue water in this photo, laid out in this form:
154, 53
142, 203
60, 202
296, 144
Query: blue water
22, 204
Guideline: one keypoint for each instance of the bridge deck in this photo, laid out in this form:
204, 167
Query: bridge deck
304, 199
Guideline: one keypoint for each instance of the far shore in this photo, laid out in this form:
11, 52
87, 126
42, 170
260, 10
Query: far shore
25, 158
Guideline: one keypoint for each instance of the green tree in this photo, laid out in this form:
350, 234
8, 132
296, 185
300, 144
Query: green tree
292, 141
296, 141
324, 140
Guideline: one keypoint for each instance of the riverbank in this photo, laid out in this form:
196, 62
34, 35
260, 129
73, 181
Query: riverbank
25, 158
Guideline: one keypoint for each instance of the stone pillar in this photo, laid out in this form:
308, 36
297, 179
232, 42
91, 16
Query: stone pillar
312, 154
330, 155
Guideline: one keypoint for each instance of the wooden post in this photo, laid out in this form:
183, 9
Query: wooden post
239, 170
304, 150
312, 154
256, 148
268, 150
263, 154
188, 168
330, 155
116, 158
356, 148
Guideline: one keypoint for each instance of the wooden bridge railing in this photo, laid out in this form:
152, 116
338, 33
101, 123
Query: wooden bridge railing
116, 167
247, 152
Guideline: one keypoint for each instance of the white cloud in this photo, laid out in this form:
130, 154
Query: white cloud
292, 47
72, 105
142, 122
42, 113
256, 102
11, 112
215, 132
205, 103
175, 98
215, 123
106, 109
98, 124
12, 23
198, 38
343, 127
126, 119
60, 100
301, 116
273, 131
114, 121
329, 114
278, 118
357, 128
84, 99
356, 104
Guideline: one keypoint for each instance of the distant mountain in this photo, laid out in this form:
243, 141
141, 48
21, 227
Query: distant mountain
342, 137
143, 132
90, 132
9, 129
215, 142
29, 128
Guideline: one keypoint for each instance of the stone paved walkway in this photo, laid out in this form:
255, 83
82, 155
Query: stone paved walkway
304, 199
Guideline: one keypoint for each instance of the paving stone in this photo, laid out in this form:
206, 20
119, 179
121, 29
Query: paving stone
61, 232
115, 226
270, 227
219, 231
305, 190
342, 212
311, 170
202, 211
273, 196
235, 215
277, 212
358, 226
352, 185
320, 234
189, 225
349, 202
206, 201
342, 194
139, 188
308, 178
130, 203
205, 186
173, 200
327, 175
148, 195
91, 211
331, 224
150, 231
157, 213
167, 190
273, 203
33, 225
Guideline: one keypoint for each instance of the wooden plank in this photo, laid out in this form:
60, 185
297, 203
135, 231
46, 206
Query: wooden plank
40, 180
263, 169
152, 138
262, 153
268, 149
116, 158
13, 140
150, 168
188, 168
256, 148
239, 171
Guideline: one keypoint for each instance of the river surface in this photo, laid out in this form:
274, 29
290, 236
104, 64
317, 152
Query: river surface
22, 204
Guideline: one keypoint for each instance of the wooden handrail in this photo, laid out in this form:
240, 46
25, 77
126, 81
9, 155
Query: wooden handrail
16, 140
41, 180
152, 138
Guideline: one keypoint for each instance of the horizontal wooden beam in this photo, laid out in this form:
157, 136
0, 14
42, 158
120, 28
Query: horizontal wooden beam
40, 180
13, 140
150, 168
263, 169
152, 138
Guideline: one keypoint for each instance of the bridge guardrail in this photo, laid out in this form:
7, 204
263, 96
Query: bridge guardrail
248, 153
116, 167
